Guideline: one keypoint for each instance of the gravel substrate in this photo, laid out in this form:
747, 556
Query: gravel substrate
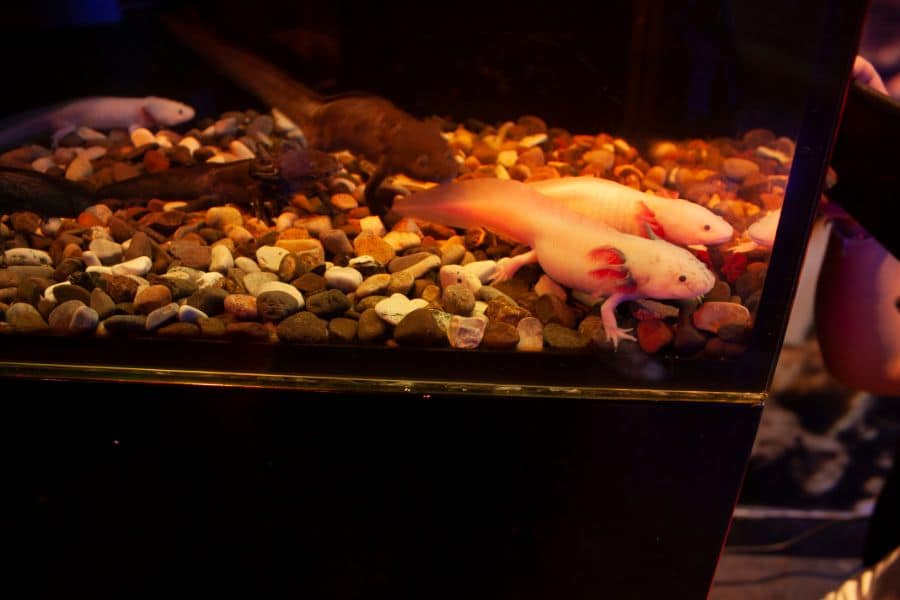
322, 269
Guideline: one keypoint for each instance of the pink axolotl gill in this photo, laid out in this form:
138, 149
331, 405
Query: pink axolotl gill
104, 112
574, 250
631, 211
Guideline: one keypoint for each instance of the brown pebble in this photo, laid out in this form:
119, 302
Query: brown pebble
653, 335
155, 161
254, 332
499, 335
151, 298
179, 330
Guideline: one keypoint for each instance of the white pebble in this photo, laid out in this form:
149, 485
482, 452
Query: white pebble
174, 205
190, 314
42, 164
345, 279
27, 257
51, 226
280, 286
239, 149
221, 259
183, 272
531, 335
136, 266
453, 274
209, 280
141, 136
285, 221
396, 307
191, 143
98, 269
246, 264
419, 269
49, 291
480, 307
269, 257
255, 281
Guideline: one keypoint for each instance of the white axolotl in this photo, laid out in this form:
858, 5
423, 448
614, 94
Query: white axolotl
632, 211
576, 251
103, 112
763, 231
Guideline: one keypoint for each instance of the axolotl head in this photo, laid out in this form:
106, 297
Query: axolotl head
674, 274
688, 223
421, 152
167, 112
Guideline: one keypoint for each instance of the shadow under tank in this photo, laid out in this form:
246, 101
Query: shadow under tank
376, 470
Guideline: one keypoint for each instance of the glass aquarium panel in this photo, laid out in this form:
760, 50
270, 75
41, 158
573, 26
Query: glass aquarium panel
377, 196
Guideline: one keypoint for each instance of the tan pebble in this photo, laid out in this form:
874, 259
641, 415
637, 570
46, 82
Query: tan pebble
190, 143
711, 316
533, 140
141, 136
294, 233
372, 224
174, 205
344, 201
400, 240
242, 306
221, 217
150, 298
80, 168
240, 150
300, 245
285, 221
545, 285
314, 224
239, 235
373, 285
367, 243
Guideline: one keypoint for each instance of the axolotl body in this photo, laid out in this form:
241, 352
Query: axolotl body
629, 210
102, 112
576, 251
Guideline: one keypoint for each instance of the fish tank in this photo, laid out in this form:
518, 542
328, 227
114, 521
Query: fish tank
503, 304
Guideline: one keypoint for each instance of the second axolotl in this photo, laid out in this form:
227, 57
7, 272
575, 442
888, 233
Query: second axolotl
579, 252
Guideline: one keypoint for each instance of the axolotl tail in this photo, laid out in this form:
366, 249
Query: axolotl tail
505, 206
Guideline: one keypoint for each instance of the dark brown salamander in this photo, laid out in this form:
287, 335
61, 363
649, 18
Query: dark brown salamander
238, 182
369, 126
24, 189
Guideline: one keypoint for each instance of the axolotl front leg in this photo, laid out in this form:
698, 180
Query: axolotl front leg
608, 315
507, 267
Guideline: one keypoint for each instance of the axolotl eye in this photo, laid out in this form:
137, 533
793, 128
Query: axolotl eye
707, 227
682, 278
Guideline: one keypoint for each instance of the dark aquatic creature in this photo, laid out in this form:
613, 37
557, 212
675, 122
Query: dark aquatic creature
24, 189
249, 182
367, 125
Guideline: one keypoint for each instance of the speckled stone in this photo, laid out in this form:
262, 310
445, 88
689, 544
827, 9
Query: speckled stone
404, 262
152, 297
328, 303
211, 327
503, 309
418, 328
453, 274
275, 305
248, 331
713, 315
342, 330
254, 282
371, 327
401, 282
181, 329
458, 299
24, 318
310, 283
500, 336
367, 243
592, 327
375, 285
241, 306
564, 338
303, 328
179, 287
120, 288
